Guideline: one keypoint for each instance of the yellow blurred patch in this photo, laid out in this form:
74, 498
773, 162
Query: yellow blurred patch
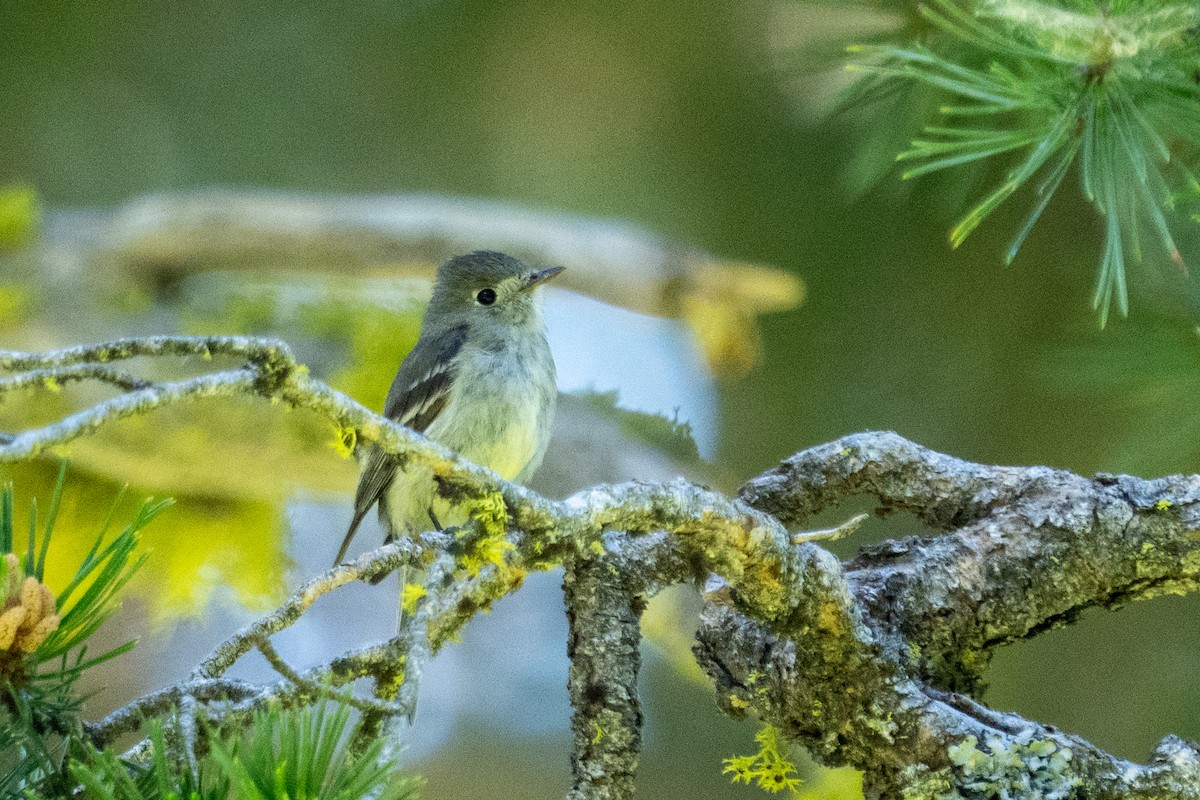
18, 216
843, 783
15, 305
198, 547
379, 341
226, 448
722, 306
669, 623
202, 546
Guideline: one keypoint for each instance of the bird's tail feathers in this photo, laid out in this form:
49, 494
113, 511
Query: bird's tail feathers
354, 523
403, 572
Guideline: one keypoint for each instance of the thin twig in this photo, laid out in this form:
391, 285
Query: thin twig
51, 378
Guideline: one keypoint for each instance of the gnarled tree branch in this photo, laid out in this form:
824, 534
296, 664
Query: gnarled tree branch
873, 663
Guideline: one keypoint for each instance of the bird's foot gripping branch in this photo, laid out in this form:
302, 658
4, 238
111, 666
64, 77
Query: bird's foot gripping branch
875, 663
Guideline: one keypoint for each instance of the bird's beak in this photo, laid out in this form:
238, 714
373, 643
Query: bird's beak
541, 276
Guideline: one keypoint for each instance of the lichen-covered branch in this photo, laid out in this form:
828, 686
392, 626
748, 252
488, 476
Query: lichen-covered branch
910, 739
130, 717
604, 609
366, 566
943, 491
1025, 550
874, 663
1028, 548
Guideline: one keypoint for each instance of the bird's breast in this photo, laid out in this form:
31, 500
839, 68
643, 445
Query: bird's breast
500, 412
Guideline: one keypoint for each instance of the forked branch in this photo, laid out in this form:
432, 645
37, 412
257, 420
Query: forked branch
873, 663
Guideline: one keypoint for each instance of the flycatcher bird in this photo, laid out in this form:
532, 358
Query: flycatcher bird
480, 381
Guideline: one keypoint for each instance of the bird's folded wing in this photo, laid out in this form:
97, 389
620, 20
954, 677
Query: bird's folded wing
422, 386
418, 394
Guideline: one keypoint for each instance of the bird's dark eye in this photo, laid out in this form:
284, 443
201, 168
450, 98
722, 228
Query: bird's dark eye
486, 297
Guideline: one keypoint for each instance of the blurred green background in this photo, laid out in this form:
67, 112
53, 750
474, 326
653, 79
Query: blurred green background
705, 122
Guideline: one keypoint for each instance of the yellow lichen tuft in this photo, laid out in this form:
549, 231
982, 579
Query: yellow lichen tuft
344, 441
489, 550
413, 592
493, 547
768, 768
490, 511
387, 685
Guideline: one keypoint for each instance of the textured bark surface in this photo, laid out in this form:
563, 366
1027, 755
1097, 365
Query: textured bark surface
1023, 550
604, 609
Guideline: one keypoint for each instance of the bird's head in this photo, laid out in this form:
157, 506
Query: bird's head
484, 288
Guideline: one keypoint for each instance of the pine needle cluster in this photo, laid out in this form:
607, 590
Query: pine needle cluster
43, 640
1108, 90
285, 754
45, 750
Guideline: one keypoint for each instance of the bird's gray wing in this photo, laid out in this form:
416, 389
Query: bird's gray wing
418, 394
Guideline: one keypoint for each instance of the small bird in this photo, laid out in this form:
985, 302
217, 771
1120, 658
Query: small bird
480, 381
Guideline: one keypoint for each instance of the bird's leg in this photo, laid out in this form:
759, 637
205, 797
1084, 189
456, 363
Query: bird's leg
437, 526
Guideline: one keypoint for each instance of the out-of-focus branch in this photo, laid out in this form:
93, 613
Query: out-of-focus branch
170, 236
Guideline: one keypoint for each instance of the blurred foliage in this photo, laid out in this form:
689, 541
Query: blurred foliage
669, 624
670, 436
722, 309
1108, 88
212, 544
18, 220
359, 329
15, 305
44, 638
1151, 373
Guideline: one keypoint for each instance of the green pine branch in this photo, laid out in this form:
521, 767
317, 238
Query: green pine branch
284, 754
45, 752
1111, 89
